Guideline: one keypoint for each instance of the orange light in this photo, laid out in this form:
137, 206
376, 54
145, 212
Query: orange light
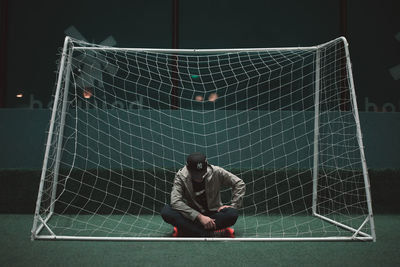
212, 97
20, 95
87, 93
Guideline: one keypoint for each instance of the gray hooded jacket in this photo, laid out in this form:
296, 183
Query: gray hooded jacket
183, 198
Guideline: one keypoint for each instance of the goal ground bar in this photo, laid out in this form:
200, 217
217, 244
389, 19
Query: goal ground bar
208, 239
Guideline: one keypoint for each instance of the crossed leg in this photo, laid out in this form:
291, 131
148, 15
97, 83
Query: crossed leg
224, 218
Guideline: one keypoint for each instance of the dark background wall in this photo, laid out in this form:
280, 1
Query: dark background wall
373, 31
33, 32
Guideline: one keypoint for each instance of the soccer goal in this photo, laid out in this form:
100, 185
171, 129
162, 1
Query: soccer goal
284, 120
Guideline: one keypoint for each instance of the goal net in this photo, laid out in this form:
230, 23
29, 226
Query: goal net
284, 120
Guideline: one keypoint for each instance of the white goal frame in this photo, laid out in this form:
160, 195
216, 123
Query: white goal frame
63, 80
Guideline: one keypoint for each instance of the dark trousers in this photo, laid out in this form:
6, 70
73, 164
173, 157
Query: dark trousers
225, 218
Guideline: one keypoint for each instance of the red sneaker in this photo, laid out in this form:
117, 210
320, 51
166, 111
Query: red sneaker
230, 232
226, 232
175, 232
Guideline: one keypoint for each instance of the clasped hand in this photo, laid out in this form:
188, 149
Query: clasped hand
208, 222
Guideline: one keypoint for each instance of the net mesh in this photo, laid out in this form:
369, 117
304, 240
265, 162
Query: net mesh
126, 119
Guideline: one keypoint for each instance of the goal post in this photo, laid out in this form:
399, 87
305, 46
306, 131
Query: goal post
316, 131
62, 79
353, 102
284, 120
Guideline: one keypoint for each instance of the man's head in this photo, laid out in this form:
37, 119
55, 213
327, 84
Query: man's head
196, 163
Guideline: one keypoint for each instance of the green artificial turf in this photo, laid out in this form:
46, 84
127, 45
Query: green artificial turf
18, 250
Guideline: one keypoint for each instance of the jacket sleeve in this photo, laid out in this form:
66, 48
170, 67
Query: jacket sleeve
237, 185
179, 203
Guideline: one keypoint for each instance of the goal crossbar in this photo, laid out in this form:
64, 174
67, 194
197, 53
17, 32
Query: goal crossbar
209, 51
